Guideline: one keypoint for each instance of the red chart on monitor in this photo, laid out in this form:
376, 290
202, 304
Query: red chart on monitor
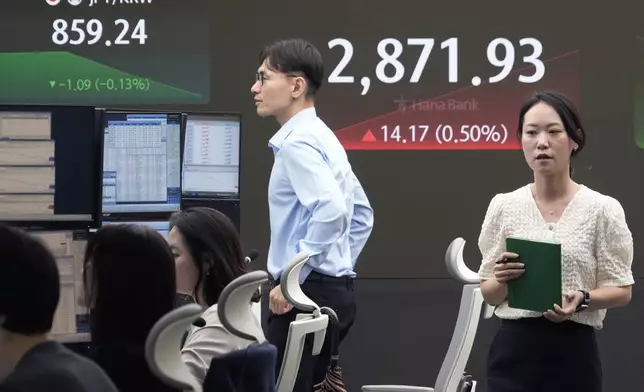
480, 117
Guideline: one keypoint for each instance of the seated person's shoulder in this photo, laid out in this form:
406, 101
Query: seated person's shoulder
212, 328
211, 314
212, 318
52, 367
208, 342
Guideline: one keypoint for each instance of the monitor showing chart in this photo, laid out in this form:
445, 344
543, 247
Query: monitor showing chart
162, 227
141, 163
211, 157
71, 320
49, 166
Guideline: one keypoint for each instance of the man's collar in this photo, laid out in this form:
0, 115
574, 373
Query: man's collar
277, 140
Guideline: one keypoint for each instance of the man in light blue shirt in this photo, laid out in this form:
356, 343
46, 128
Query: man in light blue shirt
316, 203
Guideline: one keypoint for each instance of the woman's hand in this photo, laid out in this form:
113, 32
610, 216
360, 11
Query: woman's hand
506, 270
569, 303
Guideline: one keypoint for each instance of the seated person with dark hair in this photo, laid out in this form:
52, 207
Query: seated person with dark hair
130, 284
29, 294
208, 257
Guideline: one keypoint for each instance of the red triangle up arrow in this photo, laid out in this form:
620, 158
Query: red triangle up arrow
368, 136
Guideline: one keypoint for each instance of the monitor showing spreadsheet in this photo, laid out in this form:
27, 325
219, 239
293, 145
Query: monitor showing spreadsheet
211, 156
141, 163
50, 164
71, 320
162, 227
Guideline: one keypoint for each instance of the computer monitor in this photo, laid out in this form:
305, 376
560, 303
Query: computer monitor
49, 165
141, 164
162, 227
211, 156
71, 320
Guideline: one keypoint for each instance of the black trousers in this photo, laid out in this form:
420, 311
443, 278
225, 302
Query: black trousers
537, 355
332, 292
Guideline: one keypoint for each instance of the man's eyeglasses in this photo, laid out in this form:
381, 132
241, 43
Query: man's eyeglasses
260, 77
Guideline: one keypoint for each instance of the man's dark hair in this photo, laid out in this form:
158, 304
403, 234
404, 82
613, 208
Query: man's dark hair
212, 240
296, 57
29, 283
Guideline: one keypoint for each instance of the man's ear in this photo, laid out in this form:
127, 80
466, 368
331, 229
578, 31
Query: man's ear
299, 87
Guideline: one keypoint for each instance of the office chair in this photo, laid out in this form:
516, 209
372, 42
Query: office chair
451, 374
310, 322
456, 267
253, 254
163, 348
234, 306
250, 369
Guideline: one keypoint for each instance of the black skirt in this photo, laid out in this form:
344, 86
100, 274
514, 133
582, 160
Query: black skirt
538, 355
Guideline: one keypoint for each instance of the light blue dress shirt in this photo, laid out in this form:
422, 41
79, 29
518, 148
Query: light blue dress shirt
316, 203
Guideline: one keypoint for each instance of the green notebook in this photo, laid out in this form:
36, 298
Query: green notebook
539, 288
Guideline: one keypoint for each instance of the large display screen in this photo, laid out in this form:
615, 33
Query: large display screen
425, 97
104, 52
433, 84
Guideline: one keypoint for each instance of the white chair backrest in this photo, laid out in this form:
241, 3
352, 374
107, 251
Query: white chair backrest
469, 316
163, 348
295, 347
460, 347
310, 321
290, 284
456, 265
234, 306
461, 272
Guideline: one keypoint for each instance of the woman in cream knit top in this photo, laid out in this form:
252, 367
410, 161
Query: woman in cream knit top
554, 351
596, 244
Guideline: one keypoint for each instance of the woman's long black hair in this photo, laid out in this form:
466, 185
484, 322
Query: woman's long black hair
133, 282
212, 240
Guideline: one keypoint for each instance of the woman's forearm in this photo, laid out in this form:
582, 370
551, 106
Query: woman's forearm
494, 293
609, 297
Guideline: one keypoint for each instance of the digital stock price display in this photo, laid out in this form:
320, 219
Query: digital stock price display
481, 115
446, 80
104, 51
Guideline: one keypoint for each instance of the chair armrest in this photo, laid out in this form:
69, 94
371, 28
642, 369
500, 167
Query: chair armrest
395, 388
